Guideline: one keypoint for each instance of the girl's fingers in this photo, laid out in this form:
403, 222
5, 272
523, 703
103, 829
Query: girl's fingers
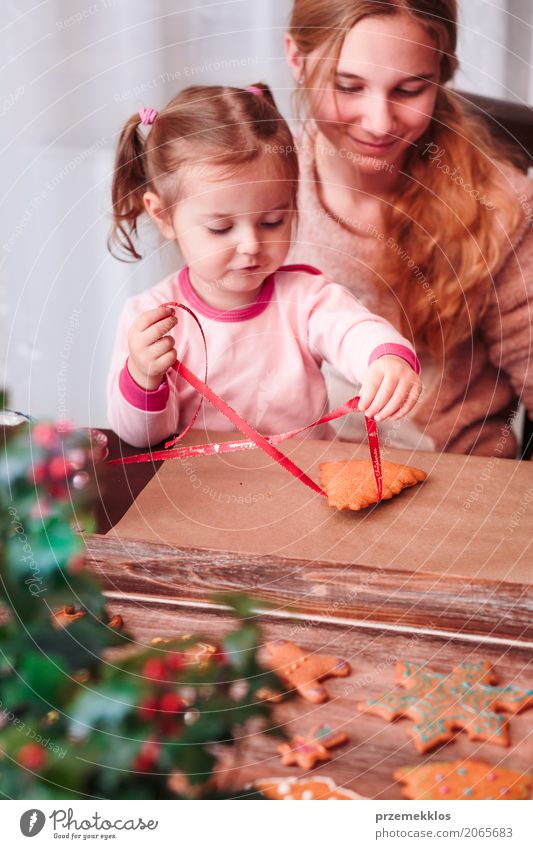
369, 389
382, 397
165, 362
157, 358
408, 404
159, 329
393, 405
161, 347
162, 364
150, 317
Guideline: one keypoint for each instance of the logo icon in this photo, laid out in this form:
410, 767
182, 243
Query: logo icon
32, 822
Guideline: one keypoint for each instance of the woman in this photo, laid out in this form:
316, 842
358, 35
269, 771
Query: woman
409, 202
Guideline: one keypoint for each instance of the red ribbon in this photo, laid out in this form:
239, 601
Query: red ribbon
255, 440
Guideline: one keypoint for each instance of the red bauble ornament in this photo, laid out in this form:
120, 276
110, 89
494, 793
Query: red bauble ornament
32, 756
147, 757
171, 703
155, 669
147, 709
174, 661
59, 468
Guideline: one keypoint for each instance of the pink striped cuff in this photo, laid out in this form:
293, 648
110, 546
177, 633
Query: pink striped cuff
153, 401
393, 349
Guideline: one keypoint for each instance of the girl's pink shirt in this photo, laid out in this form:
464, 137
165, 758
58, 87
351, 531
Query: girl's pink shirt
264, 359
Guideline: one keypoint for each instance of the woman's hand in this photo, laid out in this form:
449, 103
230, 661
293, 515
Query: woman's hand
152, 352
390, 389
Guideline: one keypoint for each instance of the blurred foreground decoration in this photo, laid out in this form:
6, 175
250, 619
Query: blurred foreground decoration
74, 723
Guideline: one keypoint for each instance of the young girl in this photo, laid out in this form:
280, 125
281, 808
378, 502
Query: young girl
218, 172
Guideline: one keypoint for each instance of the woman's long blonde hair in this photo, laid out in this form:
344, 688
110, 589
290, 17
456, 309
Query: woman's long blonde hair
451, 240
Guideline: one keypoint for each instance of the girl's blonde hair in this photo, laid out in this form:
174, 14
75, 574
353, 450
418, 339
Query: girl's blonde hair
455, 246
203, 125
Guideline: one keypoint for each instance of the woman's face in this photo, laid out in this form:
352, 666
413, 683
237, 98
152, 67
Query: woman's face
382, 95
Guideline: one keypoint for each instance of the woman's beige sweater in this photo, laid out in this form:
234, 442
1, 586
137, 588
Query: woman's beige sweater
467, 406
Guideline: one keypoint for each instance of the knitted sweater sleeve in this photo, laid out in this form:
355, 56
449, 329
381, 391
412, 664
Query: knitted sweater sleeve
507, 325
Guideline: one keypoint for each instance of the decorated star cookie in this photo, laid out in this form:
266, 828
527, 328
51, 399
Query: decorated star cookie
303, 671
293, 788
197, 654
200, 654
442, 704
351, 485
308, 751
463, 780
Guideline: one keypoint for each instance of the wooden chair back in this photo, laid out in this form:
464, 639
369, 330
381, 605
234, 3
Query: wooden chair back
513, 124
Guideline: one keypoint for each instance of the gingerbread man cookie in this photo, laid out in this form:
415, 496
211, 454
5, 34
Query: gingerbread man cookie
308, 751
66, 616
351, 485
292, 788
462, 780
442, 704
302, 671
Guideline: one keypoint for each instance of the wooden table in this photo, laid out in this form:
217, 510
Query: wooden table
386, 603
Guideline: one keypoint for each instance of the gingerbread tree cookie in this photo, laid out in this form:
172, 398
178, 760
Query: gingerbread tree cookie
351, 485
462, 780
317, 788
442, 704
308, 751
302, 671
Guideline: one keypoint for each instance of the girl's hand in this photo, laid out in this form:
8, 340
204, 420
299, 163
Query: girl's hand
152, 352
390, 389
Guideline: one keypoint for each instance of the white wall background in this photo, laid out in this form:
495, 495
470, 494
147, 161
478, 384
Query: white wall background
495, 48
72, 72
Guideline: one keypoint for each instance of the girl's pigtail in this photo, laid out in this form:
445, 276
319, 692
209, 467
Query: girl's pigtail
261, 107
129, 185
265, 90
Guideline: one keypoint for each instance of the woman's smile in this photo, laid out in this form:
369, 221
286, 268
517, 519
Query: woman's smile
378, 148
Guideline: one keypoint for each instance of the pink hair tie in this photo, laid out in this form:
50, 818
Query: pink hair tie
147, 116
254, 89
